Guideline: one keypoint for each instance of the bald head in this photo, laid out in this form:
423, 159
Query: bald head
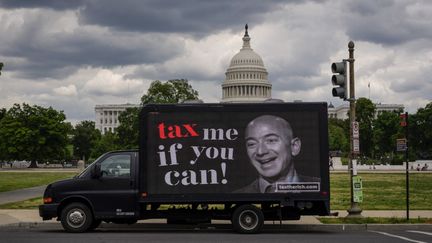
278, 123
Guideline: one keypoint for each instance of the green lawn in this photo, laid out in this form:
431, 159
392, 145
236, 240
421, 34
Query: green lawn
383, 191
27, 204
10, 181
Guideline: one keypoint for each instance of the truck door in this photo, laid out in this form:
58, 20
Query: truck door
115, 191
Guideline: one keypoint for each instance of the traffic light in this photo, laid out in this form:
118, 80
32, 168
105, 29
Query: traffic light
404, 119
1, 66
339, 78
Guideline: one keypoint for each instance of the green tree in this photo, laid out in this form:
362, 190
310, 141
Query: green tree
338, 134
108, 142
2, 113
365, 112
337, 139
128, 129
420, 132
33, 133
172, 91
85, 136
386, 130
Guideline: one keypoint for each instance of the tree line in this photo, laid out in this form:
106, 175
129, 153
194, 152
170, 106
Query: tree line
378, 134
38, 134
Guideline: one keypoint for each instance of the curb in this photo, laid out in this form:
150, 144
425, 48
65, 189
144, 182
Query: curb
287, 227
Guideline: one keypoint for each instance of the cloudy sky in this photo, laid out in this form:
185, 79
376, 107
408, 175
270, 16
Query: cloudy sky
72, 55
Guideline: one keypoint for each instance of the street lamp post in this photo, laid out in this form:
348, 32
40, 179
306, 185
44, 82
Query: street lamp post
354, 210
339, 78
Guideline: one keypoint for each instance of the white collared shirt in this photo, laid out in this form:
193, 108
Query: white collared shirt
264, 184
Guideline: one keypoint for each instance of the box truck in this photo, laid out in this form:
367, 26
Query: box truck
247, 163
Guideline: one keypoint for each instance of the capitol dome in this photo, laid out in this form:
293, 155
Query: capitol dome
246, 79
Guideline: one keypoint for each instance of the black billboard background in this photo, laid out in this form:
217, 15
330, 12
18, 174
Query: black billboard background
238, 172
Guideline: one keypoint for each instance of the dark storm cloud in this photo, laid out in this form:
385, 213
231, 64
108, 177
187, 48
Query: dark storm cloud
61, 54
196, 17
189, 16
51, 4
386, 22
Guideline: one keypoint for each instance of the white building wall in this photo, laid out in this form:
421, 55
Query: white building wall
341, 112
107, 116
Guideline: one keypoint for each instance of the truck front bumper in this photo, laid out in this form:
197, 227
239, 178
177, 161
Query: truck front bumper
48, 211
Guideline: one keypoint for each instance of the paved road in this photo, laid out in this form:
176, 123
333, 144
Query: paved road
22, 194
52, 233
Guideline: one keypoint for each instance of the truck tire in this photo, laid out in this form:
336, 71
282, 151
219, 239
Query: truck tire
76, 218
247, 219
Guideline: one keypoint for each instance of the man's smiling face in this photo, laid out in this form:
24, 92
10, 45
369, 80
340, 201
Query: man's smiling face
268, 144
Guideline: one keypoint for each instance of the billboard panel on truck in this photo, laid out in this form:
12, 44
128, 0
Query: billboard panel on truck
234, 149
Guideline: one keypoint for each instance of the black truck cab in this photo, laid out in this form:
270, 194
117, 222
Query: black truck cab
107, 189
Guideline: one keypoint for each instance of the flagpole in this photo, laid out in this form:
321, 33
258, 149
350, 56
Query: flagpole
369, 89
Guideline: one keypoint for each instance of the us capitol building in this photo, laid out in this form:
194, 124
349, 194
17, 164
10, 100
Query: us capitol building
246, 80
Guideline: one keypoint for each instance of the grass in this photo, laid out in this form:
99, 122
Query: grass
375, 220
27, 204
10, 181
384, 191
381, 191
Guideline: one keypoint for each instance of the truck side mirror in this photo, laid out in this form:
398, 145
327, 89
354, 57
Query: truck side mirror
96, 171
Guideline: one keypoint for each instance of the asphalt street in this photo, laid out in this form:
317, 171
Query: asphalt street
52, 233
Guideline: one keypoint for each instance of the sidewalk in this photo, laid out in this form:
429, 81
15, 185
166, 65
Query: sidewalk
390, 213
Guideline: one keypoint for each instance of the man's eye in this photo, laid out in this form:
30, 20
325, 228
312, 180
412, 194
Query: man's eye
251, 144
272, 140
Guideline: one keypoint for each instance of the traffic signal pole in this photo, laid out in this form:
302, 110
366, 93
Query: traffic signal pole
354, 210
339, 78
406, 166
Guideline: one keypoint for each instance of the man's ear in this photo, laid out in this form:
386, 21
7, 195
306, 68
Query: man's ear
295, 146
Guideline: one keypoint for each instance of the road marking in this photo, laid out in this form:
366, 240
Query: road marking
397, 236
419, 232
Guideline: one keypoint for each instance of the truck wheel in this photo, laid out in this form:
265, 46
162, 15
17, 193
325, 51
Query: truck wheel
76, 218
247, 219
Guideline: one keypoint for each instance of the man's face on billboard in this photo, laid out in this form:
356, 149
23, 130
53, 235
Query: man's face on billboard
268, 144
